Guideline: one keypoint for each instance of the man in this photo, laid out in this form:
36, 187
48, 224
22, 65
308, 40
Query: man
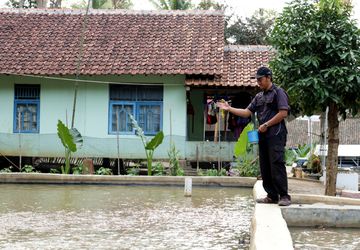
271, 106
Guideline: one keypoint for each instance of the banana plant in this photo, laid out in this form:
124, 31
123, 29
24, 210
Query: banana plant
71, 139
240, 147
149, 146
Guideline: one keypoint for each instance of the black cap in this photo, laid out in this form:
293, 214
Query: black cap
263, 71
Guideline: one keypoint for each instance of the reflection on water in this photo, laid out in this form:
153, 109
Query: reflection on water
306, 238
123, 217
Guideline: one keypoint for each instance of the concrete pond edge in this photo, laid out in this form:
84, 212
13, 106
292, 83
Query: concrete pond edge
43, 178
270, 222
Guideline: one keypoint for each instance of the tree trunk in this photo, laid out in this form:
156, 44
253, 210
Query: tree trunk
323, 137
55, 4
41, 4
332, 154
21, 4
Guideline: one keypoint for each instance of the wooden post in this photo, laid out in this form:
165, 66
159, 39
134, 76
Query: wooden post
216, 128
88, 166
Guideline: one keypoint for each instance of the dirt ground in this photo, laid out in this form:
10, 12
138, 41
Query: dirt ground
304, 186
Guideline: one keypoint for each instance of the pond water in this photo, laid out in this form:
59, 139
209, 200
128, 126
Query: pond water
305, 238
123, 217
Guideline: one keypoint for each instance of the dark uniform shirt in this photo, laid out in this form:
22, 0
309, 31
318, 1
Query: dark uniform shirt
267, 104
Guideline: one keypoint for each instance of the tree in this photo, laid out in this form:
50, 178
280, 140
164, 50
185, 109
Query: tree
26, 4
55, 3
172, 4
210, 4
104, 4
121, 4
252, 30
318, 62
41, 3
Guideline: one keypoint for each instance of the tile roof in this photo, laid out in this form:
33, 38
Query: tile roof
46, 42
240, 65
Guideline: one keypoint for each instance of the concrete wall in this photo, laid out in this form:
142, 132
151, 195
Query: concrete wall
91, 117
349, 132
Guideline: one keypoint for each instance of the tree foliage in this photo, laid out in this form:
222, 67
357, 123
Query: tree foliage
55, 3
186, 5
172, 4
210, 5
121, 4
318, 55
104, 4
26, 4
317, 62
251, 30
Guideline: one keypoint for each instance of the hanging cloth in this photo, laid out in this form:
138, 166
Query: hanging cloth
211, 112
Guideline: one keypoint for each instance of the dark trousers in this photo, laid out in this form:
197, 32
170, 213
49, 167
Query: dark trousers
272, 165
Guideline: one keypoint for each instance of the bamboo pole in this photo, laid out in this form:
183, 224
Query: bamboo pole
19, 131
117, 142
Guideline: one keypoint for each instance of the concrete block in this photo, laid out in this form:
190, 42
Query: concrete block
348, 181
322, 215
350, 194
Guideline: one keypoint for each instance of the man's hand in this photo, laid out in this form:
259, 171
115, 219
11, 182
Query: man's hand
223, 105
263, 128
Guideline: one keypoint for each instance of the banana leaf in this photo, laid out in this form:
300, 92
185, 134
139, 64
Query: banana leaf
155, 142
70, 138
241, 144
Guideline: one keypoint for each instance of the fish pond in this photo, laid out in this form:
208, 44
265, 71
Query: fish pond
123, 217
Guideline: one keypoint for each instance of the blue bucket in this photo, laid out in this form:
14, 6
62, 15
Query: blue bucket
253, 136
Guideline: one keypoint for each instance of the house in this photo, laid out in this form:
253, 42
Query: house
160, 66
215, 142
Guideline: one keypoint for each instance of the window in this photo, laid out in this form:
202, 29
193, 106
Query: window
26, 108
143, 102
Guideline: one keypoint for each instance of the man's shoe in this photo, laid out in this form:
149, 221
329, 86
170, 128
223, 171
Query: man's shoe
266, 200
284, 201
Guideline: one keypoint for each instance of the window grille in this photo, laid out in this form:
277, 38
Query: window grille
26, 108
143, 102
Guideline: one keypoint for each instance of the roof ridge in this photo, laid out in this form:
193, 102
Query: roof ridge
111, 11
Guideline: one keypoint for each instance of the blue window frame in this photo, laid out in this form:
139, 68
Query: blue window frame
143, 102
26, 108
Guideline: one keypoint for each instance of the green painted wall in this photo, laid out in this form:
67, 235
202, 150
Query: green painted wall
91, 117
196, 123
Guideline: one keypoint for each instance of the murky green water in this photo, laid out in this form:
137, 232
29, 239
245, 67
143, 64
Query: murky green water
305, 238
123, 217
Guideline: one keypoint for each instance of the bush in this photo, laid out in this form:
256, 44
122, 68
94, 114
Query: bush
212, 172
28, 169
314, 163
104, 171
79, 169
248, 166
158, 169
134, 171
174, 162
6, 170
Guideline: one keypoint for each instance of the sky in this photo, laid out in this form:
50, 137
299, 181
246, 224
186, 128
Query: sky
241, 8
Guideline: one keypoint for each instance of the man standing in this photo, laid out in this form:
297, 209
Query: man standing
271, 106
